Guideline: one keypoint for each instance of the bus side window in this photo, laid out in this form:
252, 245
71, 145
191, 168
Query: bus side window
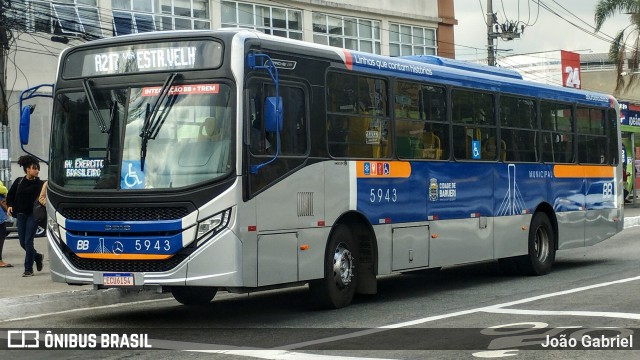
518, 129
474, 123
359, 126
293, 137
259, 142
557, 132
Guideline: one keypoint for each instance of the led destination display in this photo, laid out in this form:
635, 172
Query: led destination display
143, 57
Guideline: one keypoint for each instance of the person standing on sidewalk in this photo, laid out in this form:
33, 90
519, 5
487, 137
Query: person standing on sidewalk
23, 193
3, 226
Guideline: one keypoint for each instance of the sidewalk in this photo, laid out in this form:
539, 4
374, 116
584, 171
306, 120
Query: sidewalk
20, 297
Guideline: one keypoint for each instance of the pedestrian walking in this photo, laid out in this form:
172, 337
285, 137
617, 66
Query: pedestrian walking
23, 193
3, 226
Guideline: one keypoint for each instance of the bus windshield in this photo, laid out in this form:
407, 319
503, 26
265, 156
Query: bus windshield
97, 137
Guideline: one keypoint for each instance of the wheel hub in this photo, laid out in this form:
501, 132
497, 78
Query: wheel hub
342, 266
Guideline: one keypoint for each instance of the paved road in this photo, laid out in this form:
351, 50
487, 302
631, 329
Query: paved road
460, 312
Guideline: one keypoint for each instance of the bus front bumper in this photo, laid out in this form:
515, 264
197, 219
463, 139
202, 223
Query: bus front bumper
216, 263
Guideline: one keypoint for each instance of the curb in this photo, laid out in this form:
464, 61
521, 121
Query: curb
631, 221
32, 305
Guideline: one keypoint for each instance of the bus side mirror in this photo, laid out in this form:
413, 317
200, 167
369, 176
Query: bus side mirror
25, 122
273, 114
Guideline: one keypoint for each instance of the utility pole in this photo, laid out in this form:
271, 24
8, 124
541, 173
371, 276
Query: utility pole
507, 31
491, 55
4, 45
5, 166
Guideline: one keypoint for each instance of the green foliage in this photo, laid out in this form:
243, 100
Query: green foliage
619, 52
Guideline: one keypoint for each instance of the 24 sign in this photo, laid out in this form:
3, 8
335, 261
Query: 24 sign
572, 77
570, 65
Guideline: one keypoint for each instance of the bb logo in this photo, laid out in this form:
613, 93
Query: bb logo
82, 245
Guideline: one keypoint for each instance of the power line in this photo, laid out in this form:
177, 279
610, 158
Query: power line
603, 37
105, 24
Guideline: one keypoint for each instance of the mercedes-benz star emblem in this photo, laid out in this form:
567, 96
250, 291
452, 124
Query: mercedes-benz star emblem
117, 248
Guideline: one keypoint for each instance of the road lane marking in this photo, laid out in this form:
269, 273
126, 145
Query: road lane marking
490, 308
604, 314
283, 353
565, 292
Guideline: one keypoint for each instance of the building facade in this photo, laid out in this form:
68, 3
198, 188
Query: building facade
41, 29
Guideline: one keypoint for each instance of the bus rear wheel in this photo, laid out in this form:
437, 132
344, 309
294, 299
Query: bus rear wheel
193, 295
542, 249
337, 288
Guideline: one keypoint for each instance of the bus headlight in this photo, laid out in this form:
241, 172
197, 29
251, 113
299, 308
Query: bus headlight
213, 224
53, 227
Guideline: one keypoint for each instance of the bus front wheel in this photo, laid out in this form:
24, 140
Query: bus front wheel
193, 295
542, 249
339, 284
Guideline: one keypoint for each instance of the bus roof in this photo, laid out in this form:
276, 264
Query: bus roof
463, 65
425, 68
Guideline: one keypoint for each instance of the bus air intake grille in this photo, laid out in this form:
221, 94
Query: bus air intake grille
125, 214
305, 204
125, 265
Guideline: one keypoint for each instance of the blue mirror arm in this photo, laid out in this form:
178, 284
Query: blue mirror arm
32, 92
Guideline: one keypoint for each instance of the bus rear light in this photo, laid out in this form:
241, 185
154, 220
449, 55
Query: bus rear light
320, 223
251, 228
432, 217
384, 221
475, 215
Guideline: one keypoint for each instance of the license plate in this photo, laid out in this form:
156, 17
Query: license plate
117, 279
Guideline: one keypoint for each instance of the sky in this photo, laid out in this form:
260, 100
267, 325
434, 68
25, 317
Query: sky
546, 31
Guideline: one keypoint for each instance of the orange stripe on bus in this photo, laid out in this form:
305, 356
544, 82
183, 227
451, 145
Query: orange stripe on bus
383, 169
583, 171
122, 256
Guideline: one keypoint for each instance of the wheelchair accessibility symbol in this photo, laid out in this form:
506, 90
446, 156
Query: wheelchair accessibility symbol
475, 149
131, 176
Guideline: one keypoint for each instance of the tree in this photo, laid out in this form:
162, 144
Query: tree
606, 9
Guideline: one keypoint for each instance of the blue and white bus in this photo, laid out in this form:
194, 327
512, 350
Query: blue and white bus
200, 161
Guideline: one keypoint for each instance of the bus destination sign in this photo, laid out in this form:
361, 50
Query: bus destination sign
146, 60
143, 57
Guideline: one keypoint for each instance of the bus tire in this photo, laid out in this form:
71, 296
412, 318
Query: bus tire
193, 295
542, 247
337, 288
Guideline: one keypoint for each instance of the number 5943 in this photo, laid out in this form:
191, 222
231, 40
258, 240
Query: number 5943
383, 195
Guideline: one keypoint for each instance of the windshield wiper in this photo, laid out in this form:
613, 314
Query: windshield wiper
86, 84
112, 117
153, 123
